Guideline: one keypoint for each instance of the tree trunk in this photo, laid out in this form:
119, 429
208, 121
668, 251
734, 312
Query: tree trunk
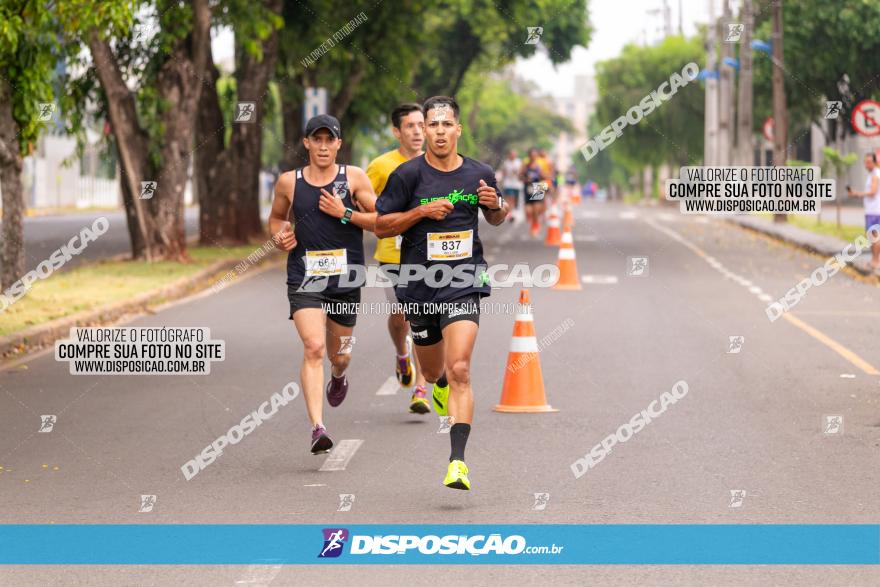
209, 162
229, 176
247, 139
179, 82
295, 154
12, 230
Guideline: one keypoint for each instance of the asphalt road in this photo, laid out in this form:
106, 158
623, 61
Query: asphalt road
45, 234
752, 420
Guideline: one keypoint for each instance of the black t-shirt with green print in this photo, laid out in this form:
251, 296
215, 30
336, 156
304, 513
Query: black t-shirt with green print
415, 183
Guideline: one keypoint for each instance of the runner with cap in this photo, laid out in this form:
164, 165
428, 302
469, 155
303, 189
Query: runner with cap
318, 215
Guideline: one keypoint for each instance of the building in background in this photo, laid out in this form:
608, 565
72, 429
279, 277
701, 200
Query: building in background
577, 109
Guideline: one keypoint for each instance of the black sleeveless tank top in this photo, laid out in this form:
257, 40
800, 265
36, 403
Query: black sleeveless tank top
325, 248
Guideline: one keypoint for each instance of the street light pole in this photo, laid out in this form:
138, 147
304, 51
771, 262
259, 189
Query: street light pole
710, 121
780, 114
725, 102
745, 151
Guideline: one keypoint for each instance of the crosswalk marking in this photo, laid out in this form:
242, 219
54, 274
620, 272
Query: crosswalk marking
259, 575
599, 279
338, 458
390, 387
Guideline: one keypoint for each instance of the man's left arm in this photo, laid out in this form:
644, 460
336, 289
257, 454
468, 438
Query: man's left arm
493, 205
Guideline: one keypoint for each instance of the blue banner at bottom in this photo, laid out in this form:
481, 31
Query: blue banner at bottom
563, 544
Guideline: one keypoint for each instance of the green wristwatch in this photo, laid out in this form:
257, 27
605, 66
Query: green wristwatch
347, 216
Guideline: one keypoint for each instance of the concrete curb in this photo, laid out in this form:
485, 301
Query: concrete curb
826, 246
14, 346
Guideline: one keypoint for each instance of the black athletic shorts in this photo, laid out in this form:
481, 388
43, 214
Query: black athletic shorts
427, 321
342, 308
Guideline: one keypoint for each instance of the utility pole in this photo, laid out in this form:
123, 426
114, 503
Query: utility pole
680, 20
710, 123
745, 150
780, 114
725, 99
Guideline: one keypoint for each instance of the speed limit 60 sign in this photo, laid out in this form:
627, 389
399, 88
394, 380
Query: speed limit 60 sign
866, 118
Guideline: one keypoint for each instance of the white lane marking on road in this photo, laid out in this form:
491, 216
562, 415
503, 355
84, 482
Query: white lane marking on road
390, 387
316, 485
667, 217
627, 215
338, 458
587, 238
847, 376
817, 334
599, 279
259, 575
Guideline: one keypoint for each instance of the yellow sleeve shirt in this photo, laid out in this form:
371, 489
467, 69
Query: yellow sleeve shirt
378, 171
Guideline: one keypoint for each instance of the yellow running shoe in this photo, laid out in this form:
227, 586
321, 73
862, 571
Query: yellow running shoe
418, 404
457, 476
440, 396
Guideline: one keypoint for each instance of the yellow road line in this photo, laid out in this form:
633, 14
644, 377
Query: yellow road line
815, 333
833, 345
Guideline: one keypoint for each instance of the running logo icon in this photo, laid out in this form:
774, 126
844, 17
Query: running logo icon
346, 500
735, 344
47, 109
833, 424
340, 189
535, 33
541, 501
334, 540
638, 266
148, 189
832, 109
47, 422
538, 189
734, 32
147, 503
736, 498
245, 112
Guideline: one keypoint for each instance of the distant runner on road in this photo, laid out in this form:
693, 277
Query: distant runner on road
536, 185
434, 201
511, 185
314, 218
871, 200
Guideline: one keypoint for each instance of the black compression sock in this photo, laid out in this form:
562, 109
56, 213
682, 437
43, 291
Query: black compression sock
458, 437
442, 381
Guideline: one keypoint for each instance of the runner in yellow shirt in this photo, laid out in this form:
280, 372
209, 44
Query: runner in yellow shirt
407, 124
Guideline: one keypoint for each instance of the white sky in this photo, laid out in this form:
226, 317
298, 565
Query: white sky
615, 23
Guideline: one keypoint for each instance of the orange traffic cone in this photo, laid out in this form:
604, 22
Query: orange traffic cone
575, 195
523, 389
568, 220
567, 264
554, 235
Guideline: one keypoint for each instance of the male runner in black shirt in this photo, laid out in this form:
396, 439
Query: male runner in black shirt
432, 201
319, 214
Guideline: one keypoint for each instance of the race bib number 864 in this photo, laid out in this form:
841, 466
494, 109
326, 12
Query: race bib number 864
332, 262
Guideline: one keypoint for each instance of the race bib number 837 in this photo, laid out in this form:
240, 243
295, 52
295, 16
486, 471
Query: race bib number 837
447, 246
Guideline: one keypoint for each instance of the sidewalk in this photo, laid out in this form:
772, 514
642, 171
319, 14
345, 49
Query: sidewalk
827, 246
